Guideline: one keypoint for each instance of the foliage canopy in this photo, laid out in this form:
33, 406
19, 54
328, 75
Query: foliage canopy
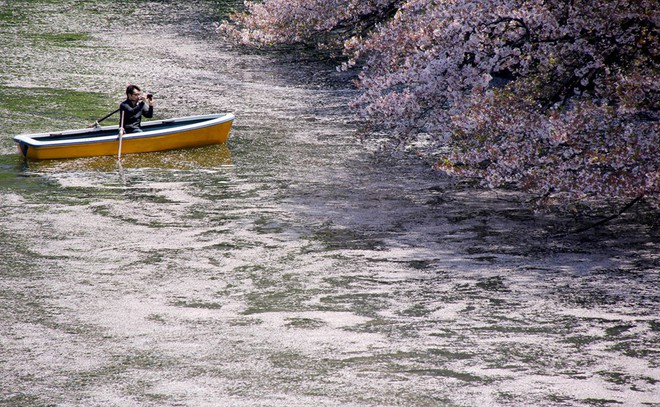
559, 98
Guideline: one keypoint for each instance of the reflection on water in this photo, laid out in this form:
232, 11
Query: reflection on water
290, 267
209, 158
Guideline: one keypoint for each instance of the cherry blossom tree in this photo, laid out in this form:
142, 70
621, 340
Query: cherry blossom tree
557, 97
318, 24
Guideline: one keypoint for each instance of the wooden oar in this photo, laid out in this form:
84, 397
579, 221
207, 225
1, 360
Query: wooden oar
96, 123
121, 134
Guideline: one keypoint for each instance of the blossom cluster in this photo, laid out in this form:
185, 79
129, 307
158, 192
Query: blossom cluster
560, 98
316, 23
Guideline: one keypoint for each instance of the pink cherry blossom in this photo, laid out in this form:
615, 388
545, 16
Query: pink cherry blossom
559, 98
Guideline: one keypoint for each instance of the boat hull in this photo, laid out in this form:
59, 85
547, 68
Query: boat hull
187, 132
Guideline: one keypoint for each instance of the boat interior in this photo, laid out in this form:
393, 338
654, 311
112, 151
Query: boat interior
112, 131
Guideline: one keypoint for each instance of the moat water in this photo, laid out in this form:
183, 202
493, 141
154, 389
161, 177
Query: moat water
295, 266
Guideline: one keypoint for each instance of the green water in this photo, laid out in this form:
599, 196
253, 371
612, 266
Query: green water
293, 266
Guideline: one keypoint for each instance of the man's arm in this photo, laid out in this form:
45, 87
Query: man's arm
148, 112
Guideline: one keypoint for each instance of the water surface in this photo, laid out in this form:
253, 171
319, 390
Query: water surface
292, 267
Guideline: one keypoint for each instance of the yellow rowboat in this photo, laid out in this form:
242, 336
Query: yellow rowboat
157, 135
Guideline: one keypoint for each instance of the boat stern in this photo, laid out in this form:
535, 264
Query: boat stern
22, 148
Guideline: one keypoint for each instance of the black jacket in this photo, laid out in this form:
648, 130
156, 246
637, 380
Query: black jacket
133, 114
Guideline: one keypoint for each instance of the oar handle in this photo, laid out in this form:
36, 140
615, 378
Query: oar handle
121, 134
96, 123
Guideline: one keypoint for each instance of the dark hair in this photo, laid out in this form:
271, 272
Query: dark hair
131, 88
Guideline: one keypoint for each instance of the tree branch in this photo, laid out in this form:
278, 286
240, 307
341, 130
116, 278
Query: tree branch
609, 218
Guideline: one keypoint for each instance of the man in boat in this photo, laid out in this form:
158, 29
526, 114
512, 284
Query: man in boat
134, 108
